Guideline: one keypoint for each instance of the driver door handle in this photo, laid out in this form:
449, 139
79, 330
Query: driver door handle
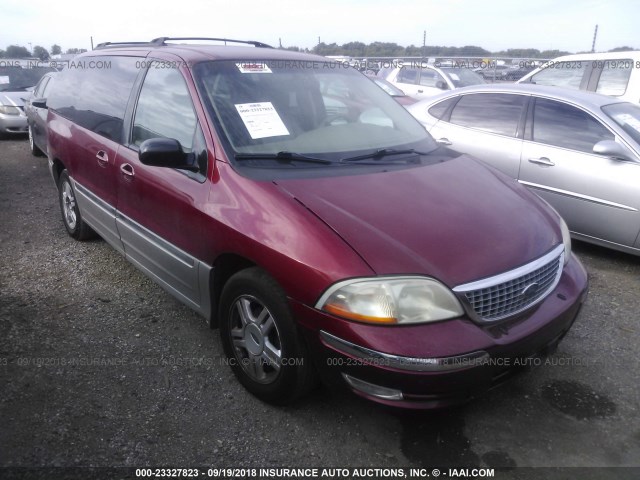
542, 161
128, 171
444, 141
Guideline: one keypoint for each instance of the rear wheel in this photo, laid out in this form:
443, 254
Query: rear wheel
70, 213
35, 151
261, 340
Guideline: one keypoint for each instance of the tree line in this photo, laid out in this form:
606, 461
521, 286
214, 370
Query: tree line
16, 51
350, 49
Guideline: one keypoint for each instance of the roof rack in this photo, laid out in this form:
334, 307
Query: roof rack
120, 44
161, 41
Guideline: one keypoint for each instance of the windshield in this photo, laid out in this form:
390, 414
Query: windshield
627, 115
312, 108
463, 77
390, 88
18, 78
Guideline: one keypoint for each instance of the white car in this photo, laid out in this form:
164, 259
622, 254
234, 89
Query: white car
616, 74
418, 79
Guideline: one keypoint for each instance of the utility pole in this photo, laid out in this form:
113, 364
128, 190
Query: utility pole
593, 45
424, 43
91, 42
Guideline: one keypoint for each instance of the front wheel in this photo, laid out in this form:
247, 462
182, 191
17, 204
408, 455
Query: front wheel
35, 151
76, 227
261, 340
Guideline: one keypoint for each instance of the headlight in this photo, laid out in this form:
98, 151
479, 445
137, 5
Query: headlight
566, 239
9, 110
391, 300
566, 235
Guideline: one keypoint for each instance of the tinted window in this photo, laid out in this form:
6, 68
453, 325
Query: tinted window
164, 108
18, 79
562, 125
463, 77
47, 87
439, 109
408, 75
491, 112
39, 90
429, 78
93, 92
614, 77
561, 74
627, 115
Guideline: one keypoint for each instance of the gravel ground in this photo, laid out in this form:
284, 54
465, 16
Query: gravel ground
100, 367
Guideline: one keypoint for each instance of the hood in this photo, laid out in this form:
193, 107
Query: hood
15, 99
457, 221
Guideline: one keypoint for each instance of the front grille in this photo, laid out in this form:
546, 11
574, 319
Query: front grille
512, 292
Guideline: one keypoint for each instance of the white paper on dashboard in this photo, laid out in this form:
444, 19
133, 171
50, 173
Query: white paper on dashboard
261, 119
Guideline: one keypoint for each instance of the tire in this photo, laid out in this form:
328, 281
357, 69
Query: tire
258, 332
35, 151
69, 208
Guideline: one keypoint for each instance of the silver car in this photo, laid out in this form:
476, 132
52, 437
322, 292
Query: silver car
16, 85
579, 151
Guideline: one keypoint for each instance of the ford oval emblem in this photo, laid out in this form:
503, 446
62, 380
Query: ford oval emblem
530, 290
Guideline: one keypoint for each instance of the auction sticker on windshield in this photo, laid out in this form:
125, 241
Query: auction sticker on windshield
253, 67
261, 119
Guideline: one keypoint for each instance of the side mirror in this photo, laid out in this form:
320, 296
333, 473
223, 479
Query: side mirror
166, 152
611, 149
442, 85
39, 103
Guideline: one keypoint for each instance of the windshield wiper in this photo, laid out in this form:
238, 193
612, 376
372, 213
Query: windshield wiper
287, 157
383, 152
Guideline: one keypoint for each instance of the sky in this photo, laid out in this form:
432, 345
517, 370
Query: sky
492, 24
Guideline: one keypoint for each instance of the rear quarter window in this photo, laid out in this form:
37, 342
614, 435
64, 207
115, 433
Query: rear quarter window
440, 110
614, 77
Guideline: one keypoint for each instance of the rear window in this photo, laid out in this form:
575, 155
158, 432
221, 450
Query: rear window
18, 79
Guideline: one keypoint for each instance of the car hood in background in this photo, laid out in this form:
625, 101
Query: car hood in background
457, 221
15, 99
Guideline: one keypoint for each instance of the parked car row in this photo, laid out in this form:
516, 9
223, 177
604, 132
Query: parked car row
16, 84
577, 150
303, 211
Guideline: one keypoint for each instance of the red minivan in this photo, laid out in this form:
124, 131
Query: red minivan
299, 208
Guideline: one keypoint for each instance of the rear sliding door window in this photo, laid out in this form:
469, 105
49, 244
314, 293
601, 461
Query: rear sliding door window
491, 112
93, 92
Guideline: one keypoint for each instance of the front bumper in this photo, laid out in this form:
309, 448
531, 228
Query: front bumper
16, 124
444, 363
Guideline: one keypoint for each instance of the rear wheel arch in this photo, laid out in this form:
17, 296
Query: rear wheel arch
57, 168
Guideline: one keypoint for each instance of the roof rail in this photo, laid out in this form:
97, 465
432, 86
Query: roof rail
162, 41
120, 44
